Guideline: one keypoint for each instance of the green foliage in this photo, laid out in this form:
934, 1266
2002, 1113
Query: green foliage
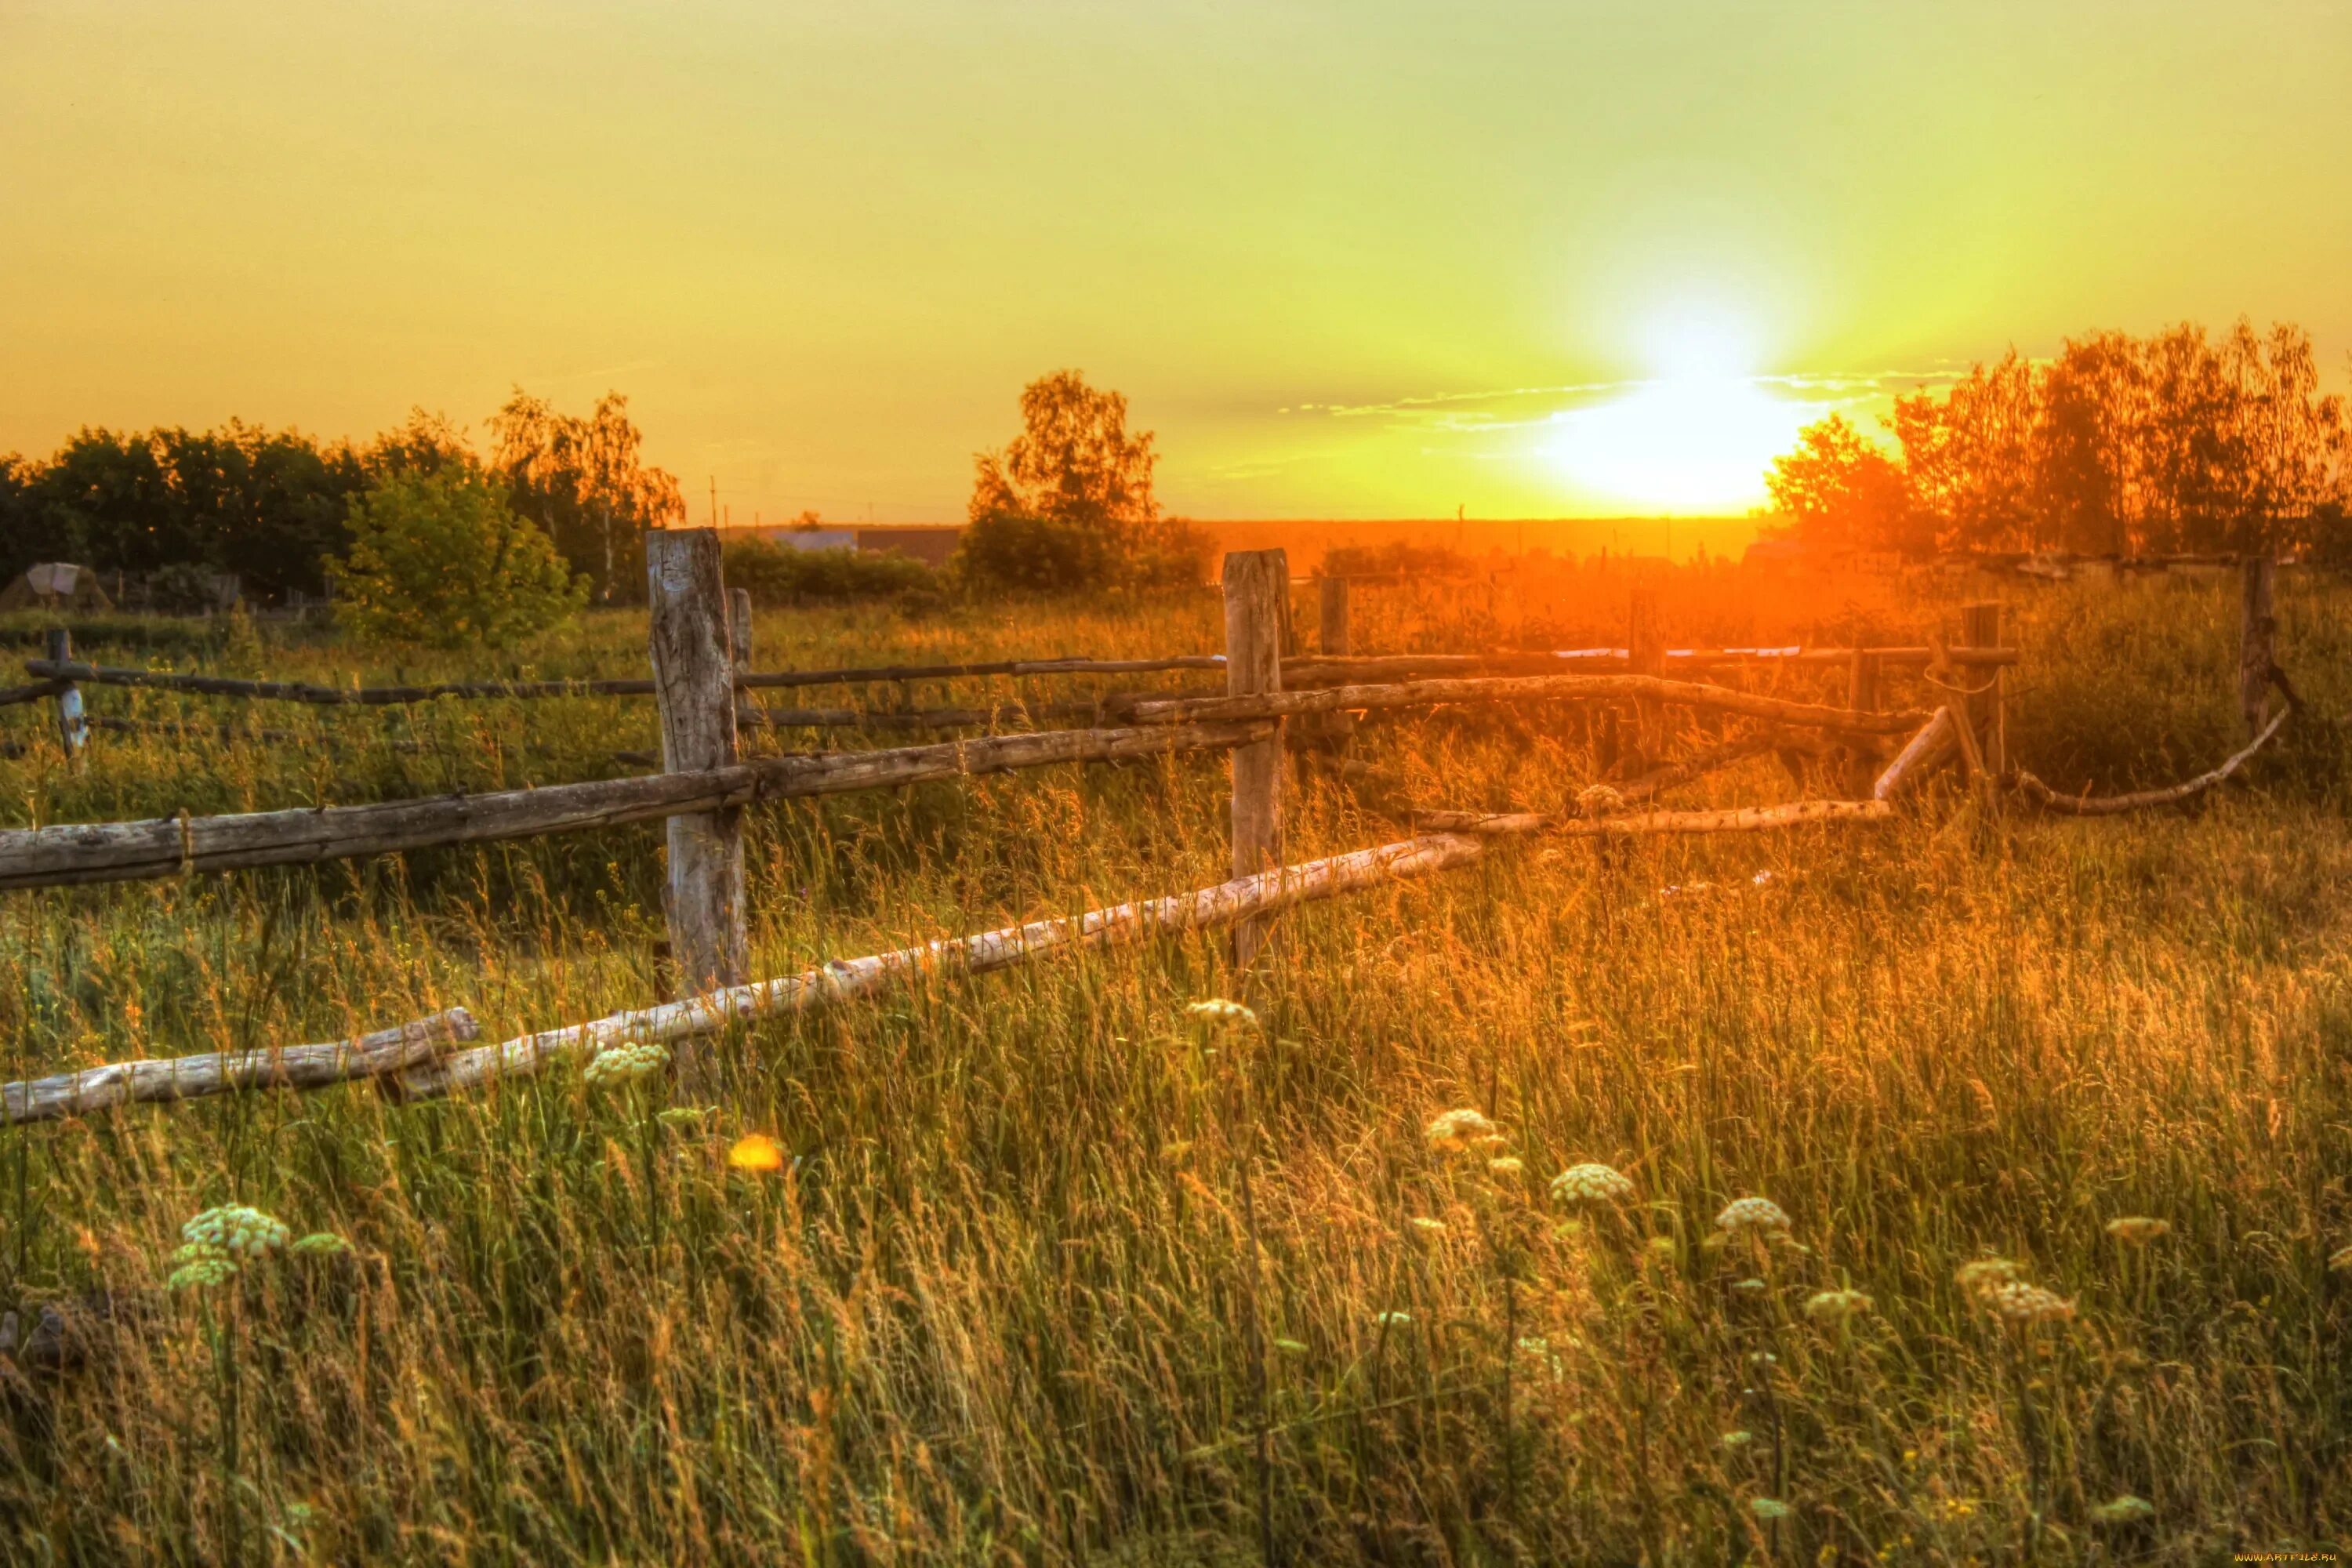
778, 575
1066, 507
441, 561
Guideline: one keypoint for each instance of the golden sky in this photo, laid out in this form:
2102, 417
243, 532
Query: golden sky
1350, 259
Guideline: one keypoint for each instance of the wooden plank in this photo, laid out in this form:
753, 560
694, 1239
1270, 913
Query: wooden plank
694, 684
74, 854
1225, 904
1258, 594
222, 1072
2257, 644
1539, 688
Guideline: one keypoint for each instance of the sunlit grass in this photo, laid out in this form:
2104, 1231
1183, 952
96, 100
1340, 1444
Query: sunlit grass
964, 1274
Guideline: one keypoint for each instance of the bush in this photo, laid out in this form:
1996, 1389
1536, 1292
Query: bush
442, 561
1058, 555
777, 575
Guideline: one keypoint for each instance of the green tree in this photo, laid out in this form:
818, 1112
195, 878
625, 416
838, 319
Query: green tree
1067, 504
442, 560
1840, 491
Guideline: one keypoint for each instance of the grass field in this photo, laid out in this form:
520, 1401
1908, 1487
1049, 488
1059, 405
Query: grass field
1053, 1271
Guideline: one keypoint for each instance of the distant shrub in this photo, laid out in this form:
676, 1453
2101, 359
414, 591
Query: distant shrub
777, 575
441, 561
1397, 559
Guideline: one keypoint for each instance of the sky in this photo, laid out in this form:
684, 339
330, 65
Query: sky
1347, 260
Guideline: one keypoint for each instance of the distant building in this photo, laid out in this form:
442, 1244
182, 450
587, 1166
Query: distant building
929, 542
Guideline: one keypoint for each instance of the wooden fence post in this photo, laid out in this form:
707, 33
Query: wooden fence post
73, 729
1258, 594
738, 654
1645, 654
2257, 645
1333, 640
1862, 696
1988, 710
694, 684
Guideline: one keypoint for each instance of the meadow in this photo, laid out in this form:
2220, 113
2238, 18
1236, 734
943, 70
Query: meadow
1054, 1270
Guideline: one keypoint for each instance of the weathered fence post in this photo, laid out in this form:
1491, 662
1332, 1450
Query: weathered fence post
1862, 696
1645, 654
694, 684
2257, 645
73, 728
1257, 595
738, 654
1333, 642
1987, 708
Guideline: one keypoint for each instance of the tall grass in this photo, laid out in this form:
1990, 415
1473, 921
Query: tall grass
1006, 1301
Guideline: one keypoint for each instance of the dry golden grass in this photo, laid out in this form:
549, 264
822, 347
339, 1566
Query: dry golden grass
1046, 1252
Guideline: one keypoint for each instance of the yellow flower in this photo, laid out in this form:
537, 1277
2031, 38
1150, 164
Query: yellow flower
2137, 1228
1458, 1129
756, 1151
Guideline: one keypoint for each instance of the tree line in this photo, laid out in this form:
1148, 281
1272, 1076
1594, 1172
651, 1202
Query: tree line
278, 507
2175, 443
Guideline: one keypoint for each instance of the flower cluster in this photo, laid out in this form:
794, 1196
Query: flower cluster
2125, 1510
1460, 1128
237, 1231
624, 1064
1592, 1182
1759, 1217
200, 1265
320, 1244
1217, 1010
1600, 800
1832, 1309
1998, 1286
2137, 1228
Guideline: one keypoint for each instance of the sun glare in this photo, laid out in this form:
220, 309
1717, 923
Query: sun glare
1697, 437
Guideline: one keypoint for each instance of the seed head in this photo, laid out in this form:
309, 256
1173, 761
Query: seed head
1832, 1309
237, 1230
1428, 1227
622, 1065
2020, 1305
2137, 1228
1599, 800
2125, 1510
2340, 1261
1737, 1440
1769, 1509
1753, 1216
1590, 1182
1458, 1129
1507, 1165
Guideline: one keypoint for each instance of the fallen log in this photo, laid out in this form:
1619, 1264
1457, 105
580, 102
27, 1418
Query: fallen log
2049, 799
221, 1072
34, 692
76, 853
1433, 693
1741, 819
1936, 740
1222, 905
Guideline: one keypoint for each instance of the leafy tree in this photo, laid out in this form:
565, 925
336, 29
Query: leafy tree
442, 560
586, 482
1067, 504
1840, 491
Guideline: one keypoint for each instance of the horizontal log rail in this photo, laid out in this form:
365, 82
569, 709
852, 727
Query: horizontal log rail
408, 1046
1222, 905
2049, 799
75, 854
52, 673
1937, 739
1740, 820
1542, 688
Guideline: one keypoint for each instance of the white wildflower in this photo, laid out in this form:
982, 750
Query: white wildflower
624, 1063
1590, 1182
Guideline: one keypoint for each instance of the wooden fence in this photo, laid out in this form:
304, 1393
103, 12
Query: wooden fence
699, 648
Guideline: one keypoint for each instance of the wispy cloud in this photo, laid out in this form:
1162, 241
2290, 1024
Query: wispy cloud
1519, 408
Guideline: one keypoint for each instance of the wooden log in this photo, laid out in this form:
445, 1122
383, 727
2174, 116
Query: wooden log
1862, 683
1740, 819
1258, 594
1302, 673
33, 692
73, 734
2257, 644
1936, 740
1332, 641
329, 696
77, 853
1539, 687
1225, 904
2049, 799
222, 1072
1986, 710
692, 651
